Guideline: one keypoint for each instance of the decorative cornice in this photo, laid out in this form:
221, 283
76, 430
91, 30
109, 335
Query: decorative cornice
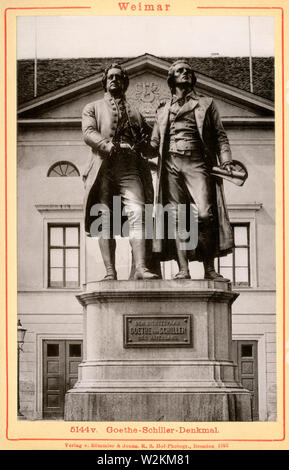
256, 121
158, 291
245, 206
58, 207
51, 122
228, 121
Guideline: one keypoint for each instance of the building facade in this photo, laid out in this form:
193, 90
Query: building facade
56, 259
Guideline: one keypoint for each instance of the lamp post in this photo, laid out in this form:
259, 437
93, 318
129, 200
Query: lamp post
20, 341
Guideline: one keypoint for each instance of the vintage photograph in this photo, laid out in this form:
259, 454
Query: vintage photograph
146, 219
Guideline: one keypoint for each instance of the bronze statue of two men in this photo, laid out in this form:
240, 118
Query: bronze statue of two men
189, 139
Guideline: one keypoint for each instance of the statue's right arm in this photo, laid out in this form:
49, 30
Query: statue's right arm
91, 134
155, 140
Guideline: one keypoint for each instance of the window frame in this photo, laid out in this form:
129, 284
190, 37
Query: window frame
248, 247
240, 213
63, 248
63, 214
62, 162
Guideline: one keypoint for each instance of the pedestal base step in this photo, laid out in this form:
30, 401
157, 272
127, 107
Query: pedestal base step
221, 406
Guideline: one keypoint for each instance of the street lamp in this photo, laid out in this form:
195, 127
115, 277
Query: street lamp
20, 341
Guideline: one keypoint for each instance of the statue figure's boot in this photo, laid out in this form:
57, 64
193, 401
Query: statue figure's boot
207, 240
210, 272
138, 250
183, 262
107, 249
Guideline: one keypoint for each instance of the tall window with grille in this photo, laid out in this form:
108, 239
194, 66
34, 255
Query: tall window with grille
236, 265
63, 255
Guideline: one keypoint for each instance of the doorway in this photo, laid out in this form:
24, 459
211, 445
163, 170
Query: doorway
60, 372
245, 355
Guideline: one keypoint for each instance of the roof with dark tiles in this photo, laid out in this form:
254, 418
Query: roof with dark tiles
53, 74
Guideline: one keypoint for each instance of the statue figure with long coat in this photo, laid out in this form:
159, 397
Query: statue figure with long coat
117, 135
189, 136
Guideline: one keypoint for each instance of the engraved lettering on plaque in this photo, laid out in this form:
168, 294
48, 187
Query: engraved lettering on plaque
153, 330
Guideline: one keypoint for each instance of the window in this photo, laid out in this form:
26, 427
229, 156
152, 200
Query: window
63, 255
63, 169
236, 265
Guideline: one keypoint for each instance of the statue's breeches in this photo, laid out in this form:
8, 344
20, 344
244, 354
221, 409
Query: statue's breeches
187, 180
120, 176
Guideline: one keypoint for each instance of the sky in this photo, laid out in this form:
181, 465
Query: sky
129, 36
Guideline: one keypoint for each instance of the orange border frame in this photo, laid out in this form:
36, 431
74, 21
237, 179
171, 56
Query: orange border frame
6, 240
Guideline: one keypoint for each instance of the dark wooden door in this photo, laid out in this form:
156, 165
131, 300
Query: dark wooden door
245, 354
60, 368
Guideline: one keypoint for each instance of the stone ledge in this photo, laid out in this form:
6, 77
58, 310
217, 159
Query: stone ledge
193, 386
158, 284
157, 290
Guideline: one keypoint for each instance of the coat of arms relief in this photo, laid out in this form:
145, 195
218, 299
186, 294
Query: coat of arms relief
147, 95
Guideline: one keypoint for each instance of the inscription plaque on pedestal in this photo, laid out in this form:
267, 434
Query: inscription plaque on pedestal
156, 330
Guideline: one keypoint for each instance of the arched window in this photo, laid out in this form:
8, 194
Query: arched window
63, 169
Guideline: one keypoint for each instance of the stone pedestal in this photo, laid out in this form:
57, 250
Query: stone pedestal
158, 351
